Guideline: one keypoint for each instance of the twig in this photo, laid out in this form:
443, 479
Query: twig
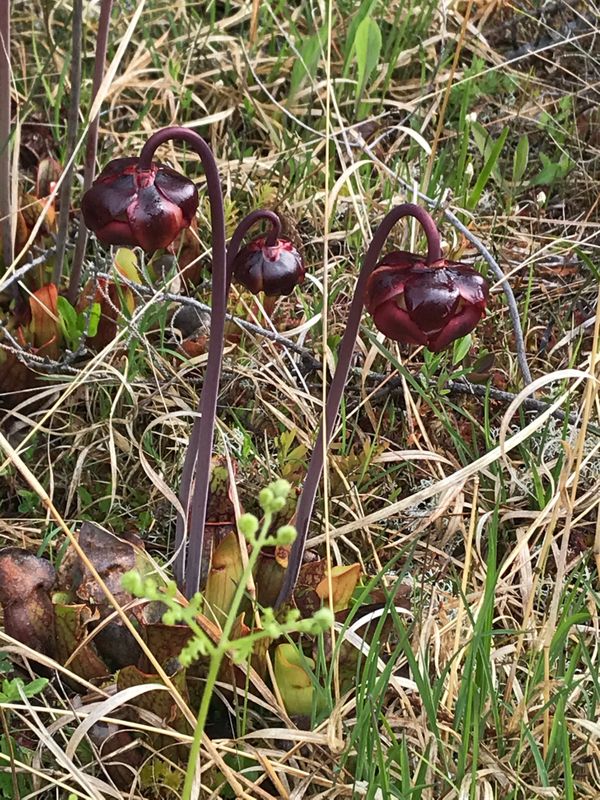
477, 243
464, 387
313, 364
144, 291
22, 271
310, 361
33, 361
584, 25
71, 140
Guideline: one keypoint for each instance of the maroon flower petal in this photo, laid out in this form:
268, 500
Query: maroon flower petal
105, 202
395, 323
400, 259
281, 273
384, 284
431, 298
117, 167
472, 286
433, 304
458, 326
247, 268
179, 190
118, 233
130, 206
154, 221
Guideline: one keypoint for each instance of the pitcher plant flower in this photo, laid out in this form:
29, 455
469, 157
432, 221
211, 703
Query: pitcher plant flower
274, 268
130, 204
432, 305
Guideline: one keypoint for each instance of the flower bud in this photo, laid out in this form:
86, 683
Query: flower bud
248, 525
277, 504
322, 619
286, 535
272, 269
280, 488
265, 498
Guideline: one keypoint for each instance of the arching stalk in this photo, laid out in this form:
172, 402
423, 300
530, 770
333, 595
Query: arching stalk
190, 565
334, 396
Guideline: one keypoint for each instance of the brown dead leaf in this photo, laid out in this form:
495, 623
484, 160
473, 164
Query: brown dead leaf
15, 379
48, 172
159, 703
72, 626
165, 642
25, 585
343, 583
111, 557
45, 327
124, 765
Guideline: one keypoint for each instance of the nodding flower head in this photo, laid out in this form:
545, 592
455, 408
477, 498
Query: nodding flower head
273, 269
432, 305
127, 205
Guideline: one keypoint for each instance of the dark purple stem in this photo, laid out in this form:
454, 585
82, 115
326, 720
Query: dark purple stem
190, 462
71, 141
5, 116
197, 462
334, 396
91, 146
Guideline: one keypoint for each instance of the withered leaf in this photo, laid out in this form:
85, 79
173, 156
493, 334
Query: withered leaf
124, 765
158, 702
71, 630
312, 574
45, 326
25, 585
48, 172
307, 601
111, 556
165, 642
343, 582
117, 645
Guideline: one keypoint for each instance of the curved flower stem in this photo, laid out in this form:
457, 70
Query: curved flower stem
197, 462
334, 396
195, 438
242, 229
191, 572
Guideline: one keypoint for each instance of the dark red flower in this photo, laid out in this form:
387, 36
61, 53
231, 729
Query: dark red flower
432, 305
272, 269
145, 207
